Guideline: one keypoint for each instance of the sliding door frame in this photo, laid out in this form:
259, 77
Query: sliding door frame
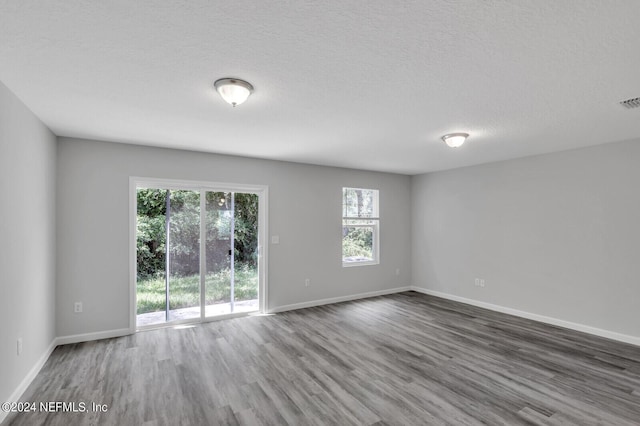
262, 191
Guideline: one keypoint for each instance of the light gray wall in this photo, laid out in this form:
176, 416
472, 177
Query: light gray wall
27, 235
555, 235
304, 210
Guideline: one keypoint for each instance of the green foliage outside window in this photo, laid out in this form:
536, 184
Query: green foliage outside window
184, 247
357, 242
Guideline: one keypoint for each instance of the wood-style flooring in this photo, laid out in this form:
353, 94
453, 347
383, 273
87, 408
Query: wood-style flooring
407, 359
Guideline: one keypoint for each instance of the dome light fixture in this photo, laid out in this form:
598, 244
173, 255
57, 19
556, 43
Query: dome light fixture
455, 140
233, 90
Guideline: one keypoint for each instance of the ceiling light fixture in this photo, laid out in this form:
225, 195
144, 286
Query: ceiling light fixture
233, 90
455, 140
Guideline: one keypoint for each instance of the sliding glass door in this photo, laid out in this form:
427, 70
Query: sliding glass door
196, 254
231, 283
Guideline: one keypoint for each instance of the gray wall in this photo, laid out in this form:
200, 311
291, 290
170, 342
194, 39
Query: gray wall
304, 210
27, 234
555, 235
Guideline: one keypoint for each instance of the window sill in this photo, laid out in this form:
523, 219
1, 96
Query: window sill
352, 264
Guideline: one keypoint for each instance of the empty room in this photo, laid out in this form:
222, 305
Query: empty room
320, 212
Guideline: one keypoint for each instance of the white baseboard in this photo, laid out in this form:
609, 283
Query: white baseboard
22, 387
87, 337
535, 317
320, 302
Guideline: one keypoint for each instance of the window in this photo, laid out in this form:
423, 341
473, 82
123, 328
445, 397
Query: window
360, 227
194, 251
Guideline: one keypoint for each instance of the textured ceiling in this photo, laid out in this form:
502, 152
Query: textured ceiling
362, 84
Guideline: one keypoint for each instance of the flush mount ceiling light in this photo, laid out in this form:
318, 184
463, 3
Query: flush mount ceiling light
455, 140
233, 90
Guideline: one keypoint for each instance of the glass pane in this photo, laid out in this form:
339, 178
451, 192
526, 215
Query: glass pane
232, 258
357, 243
359, 202
184, 255
218, 278
168, 254
246, 252
150, 256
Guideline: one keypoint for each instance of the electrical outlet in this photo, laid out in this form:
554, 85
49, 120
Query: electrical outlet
477, 282
77, 307
19, 346
481, 282
307, 282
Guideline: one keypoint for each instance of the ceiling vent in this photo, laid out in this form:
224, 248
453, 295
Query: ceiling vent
631, 103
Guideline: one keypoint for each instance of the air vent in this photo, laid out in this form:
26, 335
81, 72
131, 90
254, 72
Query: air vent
631, 103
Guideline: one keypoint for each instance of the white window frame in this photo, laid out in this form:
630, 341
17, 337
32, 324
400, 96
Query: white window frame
375, 225
262, 191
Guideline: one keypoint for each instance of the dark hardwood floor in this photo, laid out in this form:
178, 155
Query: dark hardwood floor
405, 359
